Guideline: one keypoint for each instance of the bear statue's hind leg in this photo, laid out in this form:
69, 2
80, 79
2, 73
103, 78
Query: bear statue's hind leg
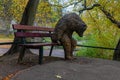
73, 46
66, 42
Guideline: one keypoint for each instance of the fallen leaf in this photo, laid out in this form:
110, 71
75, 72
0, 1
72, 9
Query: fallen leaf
6, 78
1, 77
58, 76
9, 76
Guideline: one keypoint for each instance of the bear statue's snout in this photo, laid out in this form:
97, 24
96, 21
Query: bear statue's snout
81, 30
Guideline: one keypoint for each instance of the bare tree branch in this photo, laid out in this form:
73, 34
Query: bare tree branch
110, 17
89, 8
73, 3
85, 4
108, 14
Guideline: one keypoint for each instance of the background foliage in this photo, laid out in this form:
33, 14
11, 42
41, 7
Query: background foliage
100, 32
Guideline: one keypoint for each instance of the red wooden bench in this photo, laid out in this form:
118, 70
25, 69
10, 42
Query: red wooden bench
24, 31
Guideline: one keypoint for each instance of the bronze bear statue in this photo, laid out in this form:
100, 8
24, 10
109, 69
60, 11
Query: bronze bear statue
63, 32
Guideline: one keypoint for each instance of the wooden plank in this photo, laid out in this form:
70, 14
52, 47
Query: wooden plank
32, 28
28, 34
37, 46
6, 43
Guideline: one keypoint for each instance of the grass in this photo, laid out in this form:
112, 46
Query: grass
96, 40
4, 38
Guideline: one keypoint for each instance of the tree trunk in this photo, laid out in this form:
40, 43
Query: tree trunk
27, 19
29, 13
116, 55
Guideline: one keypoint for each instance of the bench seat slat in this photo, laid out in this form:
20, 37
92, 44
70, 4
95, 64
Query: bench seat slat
28, 34
37, 45
32, 28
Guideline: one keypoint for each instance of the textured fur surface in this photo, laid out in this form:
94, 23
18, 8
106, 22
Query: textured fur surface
64, 29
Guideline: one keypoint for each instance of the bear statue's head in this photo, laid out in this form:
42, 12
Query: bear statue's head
75, 23
80, 28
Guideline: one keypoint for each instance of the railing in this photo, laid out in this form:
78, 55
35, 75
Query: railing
8, 43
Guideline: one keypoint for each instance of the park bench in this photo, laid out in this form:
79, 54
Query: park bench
24, 31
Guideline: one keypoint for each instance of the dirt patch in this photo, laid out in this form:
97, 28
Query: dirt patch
5, 46
8, 64
5, 40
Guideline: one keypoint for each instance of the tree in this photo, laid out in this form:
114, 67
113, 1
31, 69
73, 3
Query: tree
109, 16
11, 10
116, 55
48, 13
44, 12
27, 19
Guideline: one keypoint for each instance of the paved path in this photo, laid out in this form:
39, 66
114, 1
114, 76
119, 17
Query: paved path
80, 69
56, 52
3, 50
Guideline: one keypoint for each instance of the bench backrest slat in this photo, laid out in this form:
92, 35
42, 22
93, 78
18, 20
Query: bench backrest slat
32, 28
28, 34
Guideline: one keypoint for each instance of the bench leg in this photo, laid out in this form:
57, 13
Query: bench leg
40, 54
51, 50
21, 55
